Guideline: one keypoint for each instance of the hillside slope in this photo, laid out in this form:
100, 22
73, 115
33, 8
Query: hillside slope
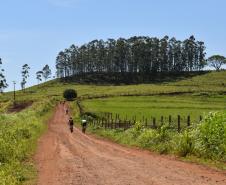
213, 82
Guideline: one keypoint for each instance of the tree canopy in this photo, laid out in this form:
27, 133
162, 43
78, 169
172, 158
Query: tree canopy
25, 75
39, 76
70, 94
143, 55
46, 72
3, 83
216, 61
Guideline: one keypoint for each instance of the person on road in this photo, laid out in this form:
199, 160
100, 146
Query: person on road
84, 125
71, 124
66, 111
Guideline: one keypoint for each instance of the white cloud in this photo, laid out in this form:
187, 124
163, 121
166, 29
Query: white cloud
63, 3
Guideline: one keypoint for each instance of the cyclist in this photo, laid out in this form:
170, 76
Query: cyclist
84, 125
71, 124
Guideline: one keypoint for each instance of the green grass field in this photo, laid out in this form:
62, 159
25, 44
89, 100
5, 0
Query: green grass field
156, 106
190, 96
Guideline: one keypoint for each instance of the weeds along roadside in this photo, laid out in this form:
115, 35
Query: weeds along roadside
202, 143
19, 133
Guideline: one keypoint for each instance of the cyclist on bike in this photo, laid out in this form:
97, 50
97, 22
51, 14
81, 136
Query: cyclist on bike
71, 124
84, 125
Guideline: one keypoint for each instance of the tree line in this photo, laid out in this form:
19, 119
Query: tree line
136, 55
143, 55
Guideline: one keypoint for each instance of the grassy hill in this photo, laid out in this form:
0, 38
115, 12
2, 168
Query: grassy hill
210, 83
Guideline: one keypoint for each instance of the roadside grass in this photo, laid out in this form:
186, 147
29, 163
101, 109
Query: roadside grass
204, 143
4, 106
74, 112
18, 137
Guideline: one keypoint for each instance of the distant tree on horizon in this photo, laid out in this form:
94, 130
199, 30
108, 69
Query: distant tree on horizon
46, 72
216, 61
39, 76
3, 83
25, 75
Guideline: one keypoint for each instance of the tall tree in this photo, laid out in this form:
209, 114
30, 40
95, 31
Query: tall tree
201, 55
216, 61
163, 54
46, 72
3, 83
39, 75
25, 75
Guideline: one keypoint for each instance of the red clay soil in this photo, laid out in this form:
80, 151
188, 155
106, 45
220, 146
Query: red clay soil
19, 107
77, 159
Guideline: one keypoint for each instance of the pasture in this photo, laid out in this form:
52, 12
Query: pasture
210, 83
156, 106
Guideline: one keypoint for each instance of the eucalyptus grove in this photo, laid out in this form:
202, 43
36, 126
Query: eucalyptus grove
143, 55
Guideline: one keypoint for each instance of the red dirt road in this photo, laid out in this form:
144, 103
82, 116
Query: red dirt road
77, 159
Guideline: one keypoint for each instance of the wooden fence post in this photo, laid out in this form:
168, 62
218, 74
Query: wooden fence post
178, 123
189, 121
170, 120
162, 120
102, 123
200, 118
154, 123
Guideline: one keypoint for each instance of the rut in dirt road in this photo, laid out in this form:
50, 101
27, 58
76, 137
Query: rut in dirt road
77, 159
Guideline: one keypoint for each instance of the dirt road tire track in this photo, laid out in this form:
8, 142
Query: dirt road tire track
76, 159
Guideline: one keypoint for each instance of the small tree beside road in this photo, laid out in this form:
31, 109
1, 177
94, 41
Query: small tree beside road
70, 94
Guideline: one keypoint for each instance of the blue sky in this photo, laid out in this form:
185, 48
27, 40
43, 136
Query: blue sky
34, 31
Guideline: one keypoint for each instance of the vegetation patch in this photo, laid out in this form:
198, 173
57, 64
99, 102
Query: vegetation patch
18, 135
206, 140
70, 94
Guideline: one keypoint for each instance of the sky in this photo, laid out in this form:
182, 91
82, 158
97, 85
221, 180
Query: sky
34, 31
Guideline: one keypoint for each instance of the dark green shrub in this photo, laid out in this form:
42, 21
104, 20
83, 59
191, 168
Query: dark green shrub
70, 94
